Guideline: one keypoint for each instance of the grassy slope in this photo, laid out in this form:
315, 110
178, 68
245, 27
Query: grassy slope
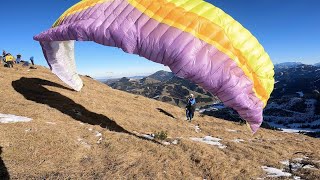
59, 144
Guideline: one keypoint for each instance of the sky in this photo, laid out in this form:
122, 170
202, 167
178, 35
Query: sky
289, 30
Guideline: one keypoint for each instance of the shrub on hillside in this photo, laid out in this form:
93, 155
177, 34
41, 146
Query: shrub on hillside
162, 135
166, 99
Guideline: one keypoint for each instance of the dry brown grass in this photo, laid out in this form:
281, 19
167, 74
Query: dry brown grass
56, 145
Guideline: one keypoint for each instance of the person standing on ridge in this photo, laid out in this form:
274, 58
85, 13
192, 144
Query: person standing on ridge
18, 58
31, 59
9, 60
190, 107
4, 53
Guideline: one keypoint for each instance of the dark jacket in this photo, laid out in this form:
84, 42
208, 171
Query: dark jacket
191, 104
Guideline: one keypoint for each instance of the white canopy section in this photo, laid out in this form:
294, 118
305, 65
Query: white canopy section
60, 57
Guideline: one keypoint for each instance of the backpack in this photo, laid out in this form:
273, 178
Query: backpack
9, 58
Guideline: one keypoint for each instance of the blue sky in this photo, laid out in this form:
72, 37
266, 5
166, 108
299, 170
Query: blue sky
289, 30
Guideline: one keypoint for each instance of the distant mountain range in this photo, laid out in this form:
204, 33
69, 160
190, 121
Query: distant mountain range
298, 78
294, 104
166, 87
112, 79
292, 64
287, 64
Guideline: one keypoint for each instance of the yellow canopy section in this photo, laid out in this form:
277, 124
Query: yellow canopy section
80, 6
257, 61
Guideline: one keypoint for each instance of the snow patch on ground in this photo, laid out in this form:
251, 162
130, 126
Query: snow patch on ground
197, 128
175, 142
296, 130
210, 140
166, 143
99, 140
148, 136
151, 136
231, 130
237, 140
285, 162
82, 142
52, 123
145, 135
309, 167
9, 118
297, 164
98, 134
292, 129
274, 172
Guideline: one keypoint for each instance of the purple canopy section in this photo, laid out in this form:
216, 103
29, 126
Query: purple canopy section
119, 24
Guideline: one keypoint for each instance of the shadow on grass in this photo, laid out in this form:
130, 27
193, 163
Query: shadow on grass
34, 89
3, 170
166, 113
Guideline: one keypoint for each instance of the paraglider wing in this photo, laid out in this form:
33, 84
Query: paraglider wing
197, 40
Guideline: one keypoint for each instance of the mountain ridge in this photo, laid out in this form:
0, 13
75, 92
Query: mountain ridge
166, 87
